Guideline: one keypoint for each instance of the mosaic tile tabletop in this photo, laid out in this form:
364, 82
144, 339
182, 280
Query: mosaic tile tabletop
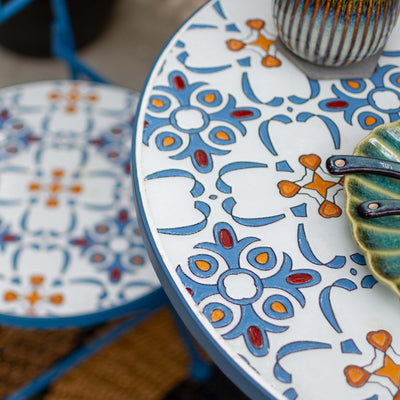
245, 221
70, 246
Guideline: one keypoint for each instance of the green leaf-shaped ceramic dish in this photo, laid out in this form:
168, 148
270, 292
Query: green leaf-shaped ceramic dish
379, 237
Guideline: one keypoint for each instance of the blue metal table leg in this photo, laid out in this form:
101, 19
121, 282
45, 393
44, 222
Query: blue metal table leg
199, 369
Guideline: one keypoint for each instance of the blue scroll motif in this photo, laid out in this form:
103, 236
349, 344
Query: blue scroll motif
204, 208
291, 348
315, 89
333, 129
235, 166
248, 91
325, 301
182, 58
91, 281
264, 131
229, 203
305, 248
196, 191
65, 255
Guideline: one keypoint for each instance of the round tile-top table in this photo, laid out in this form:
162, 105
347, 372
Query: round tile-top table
246, 227
71, 252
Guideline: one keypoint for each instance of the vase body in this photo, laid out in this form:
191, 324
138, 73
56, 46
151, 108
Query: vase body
335, 32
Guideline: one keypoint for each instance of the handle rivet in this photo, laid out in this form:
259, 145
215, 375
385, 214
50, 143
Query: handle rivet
340, 162
373, 206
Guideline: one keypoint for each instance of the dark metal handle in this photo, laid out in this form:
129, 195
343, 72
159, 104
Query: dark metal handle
379, 208
340, 165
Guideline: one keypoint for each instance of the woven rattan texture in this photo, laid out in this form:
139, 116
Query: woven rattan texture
143, 365
25, 353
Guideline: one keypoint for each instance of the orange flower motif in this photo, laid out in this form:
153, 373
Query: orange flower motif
55, 188
358, 376
72, 98
261, 41
314, 182
34, 295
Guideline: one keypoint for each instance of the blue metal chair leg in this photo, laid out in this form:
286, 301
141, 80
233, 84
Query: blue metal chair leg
11, 8
63, 44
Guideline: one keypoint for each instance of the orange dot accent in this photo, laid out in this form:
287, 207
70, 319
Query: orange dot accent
54, 187
256, 24
76, 189
262, 258
278, 307
398, 79
73, 96
92, 98
98, 258
271, 61
53, 96
221, 135
235, 45
370, 121
52, 202
12, 149
157, 103
381, 340
288, 189
101, 229
57, 299
341, 182
37, 280
311, 161
202, 265
58, 173
10, 296
70, 109
353, 84
356, 376
209, 98
34, 186
217, 315
168, 141
137, 260
329, 210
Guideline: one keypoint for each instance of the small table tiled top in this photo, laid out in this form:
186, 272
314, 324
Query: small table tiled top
71, 249
245, 225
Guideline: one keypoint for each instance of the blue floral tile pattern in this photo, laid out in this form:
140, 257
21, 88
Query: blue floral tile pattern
246, 221
70, 246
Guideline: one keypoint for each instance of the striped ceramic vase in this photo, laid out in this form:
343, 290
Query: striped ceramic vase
335, 32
